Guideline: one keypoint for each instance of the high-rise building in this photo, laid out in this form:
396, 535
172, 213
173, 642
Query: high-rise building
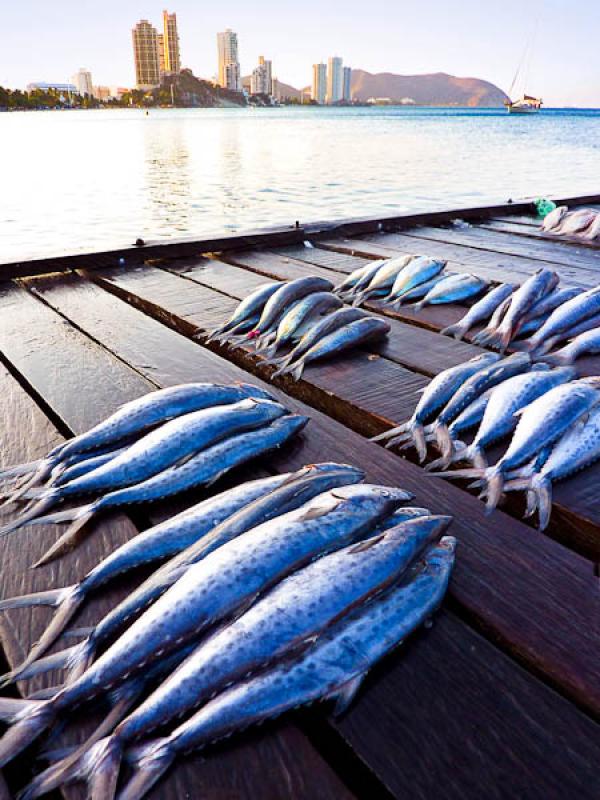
347, 90
229, 66
335, 80
145, 54
319, 83
171, 43
83, 81
160, 44
262, 80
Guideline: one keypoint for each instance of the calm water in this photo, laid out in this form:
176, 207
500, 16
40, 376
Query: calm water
83, 181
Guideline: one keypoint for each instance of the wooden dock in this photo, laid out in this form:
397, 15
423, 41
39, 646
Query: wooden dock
501, 698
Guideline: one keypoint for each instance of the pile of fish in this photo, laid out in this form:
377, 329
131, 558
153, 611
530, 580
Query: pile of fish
304, 315
583, 223
163, 443
409, 279
277, 593
551, 419
536, 317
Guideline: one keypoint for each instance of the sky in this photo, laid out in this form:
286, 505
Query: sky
468, 38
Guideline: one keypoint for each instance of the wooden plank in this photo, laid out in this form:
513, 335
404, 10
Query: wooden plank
534, 232
62, 353
322, 438
535, 597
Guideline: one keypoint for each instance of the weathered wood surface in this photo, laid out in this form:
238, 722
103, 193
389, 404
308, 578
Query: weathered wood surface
533, 231
553, 626
72, 374
136, 335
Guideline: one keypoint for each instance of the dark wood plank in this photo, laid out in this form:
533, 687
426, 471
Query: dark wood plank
328, 439
528, 593
62, 355
524, 749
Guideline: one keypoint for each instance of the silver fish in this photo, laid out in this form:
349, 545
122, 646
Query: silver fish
582, 327
567, 315
284, 619
484, 336
530, 293
283, 298
419, 291
541, 423
434, 397
359, 278
383, 279
302, 487
584, 343
170, 445
593, 232
215, 588
248, 308
299, 320
554, 218
576, 221
321, 329
333, 668
481, 311
352, 335
453, 289
552, 301
420, 270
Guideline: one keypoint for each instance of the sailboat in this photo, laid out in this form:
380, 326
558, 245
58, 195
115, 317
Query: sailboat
526, 104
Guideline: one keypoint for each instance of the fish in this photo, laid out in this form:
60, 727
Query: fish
481, 311
588, 342
355, 334
137, 416
505, 401
530, 293
554, 218
472, 388
281, 300
578, 309
577, 448
202, 469
419, 270
321, 329
359, 278
170, 445
484, 336
576, 221
434, 397
581, 327
383, 279
301, 487
157, 543
552, 301
593, 232
219, 586
419, 291
453, 289
299, 320
541, 423
332, 669
249, 308
284, 620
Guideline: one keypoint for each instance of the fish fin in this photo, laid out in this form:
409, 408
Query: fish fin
345, 694
45, 694
296, 370
151, 762
544, 503
477, 457
28, 724
531, 503
52, 597
72, 536
319, 511
444, 440
494, 490
391, 432
30, 516
367, 544
17, 470
418, 434
457, 330
458, 473
359, 299
419, 306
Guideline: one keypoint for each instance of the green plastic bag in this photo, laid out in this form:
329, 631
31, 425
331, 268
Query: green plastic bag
544, 206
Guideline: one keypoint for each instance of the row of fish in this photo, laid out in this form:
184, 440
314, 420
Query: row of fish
156, 446
304, 315
279, 592
409, 279
552, 419
536, 317
583, 223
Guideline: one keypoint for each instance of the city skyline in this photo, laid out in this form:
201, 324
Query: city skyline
462, 41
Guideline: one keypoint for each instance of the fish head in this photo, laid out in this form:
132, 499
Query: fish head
330, 466
270, 409
422, 530
288, 425
255, 391
486, 359
386, 499
440, 555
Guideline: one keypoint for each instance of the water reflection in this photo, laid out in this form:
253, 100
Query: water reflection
168, 188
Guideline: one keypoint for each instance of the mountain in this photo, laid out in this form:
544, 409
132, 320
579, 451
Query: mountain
286, 91
437, 89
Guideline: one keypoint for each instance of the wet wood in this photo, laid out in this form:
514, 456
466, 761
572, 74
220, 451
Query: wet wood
535, 232
552, 626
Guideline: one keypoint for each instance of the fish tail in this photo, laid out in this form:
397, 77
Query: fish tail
18, 470
524, 346
79, 518
420, 305
80, 658
560, 359
444, 440
544, 503
29, 723
30, 516
477, 457
466, 474
265, 342
459, 453
494, 489
295, 370
531, 503
504, 338
457, 330
360, 298
268, 352
399, 429
59, 660
418, 434
152, 761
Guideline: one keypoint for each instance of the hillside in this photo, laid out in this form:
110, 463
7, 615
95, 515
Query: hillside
437, 89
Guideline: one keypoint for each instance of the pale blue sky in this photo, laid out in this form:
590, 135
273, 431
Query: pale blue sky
50, 40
